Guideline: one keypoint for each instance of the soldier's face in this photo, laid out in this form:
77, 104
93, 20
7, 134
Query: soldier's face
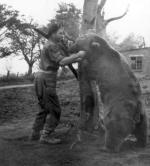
59, 35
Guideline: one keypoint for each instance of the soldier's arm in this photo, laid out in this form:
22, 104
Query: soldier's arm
72, 58
62, 60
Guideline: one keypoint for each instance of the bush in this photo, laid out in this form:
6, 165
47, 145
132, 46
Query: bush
15, 79
29, 77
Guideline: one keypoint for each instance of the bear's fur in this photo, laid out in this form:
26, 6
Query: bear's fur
120, 91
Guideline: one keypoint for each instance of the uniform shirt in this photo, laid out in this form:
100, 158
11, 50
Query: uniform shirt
50, 57
49, 63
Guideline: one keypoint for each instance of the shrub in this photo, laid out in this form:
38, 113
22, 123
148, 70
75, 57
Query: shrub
15, 79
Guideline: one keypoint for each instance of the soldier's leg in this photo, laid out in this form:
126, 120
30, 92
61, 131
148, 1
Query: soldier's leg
52, 120
38, 123
42, 113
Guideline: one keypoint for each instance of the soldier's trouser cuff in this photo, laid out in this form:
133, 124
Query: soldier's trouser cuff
47, 133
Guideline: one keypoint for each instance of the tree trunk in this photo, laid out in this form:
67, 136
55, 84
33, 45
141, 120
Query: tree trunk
101, 26
89, 113
30, 66
100, 21
89, 15
8, 73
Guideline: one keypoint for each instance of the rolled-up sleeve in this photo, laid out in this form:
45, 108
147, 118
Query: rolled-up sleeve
74, 48
55, 54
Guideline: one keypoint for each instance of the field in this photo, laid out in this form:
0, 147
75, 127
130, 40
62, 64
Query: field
17, 112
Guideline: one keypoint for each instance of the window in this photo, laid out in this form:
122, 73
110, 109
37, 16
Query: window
136, 62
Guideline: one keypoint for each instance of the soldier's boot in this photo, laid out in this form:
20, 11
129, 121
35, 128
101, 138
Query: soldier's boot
46, 137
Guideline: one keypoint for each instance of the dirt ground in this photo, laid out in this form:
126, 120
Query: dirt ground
17, 112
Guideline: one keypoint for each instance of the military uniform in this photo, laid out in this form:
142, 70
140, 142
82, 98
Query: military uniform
45, 87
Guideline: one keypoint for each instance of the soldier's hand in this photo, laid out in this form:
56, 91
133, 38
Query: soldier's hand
81, 54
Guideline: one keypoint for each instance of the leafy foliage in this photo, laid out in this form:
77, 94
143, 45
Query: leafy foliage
8, 17
25, 41
132, 41
18, 37
68, 16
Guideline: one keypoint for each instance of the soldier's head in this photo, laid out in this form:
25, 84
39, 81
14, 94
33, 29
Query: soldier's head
55, 32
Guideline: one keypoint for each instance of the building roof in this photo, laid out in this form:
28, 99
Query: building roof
145, 48
138, 55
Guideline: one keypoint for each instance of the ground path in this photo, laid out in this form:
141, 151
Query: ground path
15, 86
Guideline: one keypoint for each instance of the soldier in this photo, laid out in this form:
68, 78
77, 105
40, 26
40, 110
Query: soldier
49, 113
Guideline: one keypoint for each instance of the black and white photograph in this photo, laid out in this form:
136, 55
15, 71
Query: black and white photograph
74, 83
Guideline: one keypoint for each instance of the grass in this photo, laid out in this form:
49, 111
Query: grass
17, 112
21, 102
13, 79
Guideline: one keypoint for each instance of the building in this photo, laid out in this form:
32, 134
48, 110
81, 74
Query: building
139, 60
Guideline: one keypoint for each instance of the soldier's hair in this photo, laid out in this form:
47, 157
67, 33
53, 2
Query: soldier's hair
53, 28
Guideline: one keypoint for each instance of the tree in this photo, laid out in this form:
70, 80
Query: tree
25, 41
8, 17
89, 15
94, 17
101, 23
8, 67
68, 16
132, 41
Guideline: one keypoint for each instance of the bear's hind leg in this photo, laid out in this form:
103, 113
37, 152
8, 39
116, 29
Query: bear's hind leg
113, 143
140, 131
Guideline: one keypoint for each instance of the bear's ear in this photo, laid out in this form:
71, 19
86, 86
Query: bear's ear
95, 45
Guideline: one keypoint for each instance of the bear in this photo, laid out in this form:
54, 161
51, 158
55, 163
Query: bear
120, 91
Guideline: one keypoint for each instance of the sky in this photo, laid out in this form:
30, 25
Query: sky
136, 20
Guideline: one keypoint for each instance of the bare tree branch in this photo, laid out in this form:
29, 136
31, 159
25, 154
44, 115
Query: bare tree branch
116, 18
101, 5
3, 32
2, 38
